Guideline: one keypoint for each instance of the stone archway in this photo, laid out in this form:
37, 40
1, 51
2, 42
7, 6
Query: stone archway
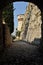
4, 3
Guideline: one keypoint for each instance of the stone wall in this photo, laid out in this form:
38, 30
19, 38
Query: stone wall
20, 21
7, 36
31, 28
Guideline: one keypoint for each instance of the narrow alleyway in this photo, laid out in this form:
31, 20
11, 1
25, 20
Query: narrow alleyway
21, 53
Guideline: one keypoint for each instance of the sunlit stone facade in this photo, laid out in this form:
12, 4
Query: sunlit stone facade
31, 28
20, 21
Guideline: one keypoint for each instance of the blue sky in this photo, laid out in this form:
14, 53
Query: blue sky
20, 9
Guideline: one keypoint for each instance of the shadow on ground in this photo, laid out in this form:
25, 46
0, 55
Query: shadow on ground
21, 53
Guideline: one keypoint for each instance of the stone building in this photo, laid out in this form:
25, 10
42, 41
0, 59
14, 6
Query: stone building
31, 28
20, 21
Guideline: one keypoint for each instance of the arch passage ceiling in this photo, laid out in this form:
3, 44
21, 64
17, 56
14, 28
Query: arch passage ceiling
3, 3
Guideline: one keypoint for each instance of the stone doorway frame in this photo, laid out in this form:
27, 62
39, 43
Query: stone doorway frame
4, 3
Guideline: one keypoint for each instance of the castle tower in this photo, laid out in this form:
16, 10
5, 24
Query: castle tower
20, 21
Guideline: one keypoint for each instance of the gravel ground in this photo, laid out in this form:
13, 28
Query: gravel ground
21, 53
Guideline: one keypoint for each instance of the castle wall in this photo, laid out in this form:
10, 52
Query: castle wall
31, 28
